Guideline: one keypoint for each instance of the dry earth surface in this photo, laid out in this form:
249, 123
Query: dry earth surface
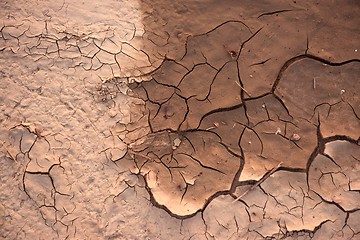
153, 119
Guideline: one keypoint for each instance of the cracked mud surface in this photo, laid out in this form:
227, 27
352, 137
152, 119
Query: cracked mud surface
195, 120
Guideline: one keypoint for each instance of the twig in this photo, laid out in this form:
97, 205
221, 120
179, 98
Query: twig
314, 83
139, 154
243, 88
11, 156
266, 176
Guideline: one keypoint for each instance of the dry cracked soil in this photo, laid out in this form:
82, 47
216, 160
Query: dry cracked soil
153, 119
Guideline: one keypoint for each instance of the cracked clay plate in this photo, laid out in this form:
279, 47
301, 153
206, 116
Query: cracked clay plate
179, 120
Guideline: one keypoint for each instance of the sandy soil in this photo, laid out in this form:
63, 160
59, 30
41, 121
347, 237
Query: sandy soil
179, 119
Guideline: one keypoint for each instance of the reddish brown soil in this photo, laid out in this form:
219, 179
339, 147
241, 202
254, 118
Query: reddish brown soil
180, 120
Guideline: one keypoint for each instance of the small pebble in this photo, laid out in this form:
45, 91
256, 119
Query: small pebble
278, 131
295, 137
176, 143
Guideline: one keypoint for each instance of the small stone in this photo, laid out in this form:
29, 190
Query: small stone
278, 131
176, 142
295, 137
233, 54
